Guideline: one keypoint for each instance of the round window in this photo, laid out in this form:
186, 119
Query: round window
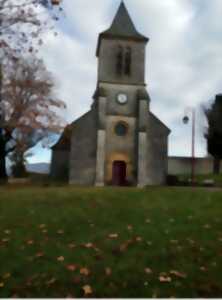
121, 129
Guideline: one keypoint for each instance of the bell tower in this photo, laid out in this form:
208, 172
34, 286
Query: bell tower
122, 104
121, 51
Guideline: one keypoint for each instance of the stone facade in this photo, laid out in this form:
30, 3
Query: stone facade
119, 141
83, 150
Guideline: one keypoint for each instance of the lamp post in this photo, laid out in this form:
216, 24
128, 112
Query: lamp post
186, 120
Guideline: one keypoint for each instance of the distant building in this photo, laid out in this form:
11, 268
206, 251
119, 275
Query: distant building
119, 141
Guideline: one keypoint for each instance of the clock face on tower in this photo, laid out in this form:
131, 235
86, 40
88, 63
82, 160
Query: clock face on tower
122, 98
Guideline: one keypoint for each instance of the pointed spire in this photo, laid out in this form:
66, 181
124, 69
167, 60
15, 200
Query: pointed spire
122, 24
122, 27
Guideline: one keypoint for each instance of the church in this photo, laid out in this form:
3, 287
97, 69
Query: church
119, 141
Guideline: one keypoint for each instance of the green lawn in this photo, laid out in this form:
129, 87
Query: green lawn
156, 242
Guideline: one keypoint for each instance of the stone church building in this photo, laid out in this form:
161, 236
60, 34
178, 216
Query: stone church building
118, 141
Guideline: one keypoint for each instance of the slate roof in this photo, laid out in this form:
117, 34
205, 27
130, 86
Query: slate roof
122, 27
155, 119
64, 142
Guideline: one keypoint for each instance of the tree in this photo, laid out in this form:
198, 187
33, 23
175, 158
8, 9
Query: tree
214, 132
31, 110
21, 23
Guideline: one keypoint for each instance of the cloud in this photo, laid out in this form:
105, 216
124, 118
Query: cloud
183, 65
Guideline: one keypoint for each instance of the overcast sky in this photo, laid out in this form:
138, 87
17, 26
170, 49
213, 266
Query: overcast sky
183, 61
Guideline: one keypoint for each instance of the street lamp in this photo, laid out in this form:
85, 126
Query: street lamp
186, 120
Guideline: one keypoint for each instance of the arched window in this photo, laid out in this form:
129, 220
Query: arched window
121, 128
119, 61
128, 61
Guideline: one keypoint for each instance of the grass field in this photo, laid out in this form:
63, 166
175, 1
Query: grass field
73, 242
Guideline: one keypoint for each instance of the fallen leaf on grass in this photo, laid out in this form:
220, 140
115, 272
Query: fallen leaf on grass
178, 274
97, 250
123, 247
88, 245
71, 245
39, 254
30, 242
116, 251
179, 248
14, 296
7, 231
149, 243
60, 258
129, 227
30, 258
148, 271
44, 231
192, 242
77, 279
84, 271
148, 221
98, 256
139, 239
108, 271
6, 275
87, 290
60, 231
207, 226
164, 278
29, 282
113, 235
203, 269
71, 268
1, 284
5, 240
174, 241
51, 281
42, 226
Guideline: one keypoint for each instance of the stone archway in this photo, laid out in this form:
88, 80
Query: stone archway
119, 173
124, 165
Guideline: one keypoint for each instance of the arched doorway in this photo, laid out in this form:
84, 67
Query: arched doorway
119, 173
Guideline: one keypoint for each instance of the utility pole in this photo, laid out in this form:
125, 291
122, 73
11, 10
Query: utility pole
186, 121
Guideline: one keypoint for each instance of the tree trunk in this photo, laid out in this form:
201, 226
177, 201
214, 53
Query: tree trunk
216, 165
3, 174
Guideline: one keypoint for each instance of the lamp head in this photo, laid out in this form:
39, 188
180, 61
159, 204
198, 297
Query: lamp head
185, 119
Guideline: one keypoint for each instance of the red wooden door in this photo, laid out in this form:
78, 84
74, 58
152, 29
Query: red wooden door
119, 173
